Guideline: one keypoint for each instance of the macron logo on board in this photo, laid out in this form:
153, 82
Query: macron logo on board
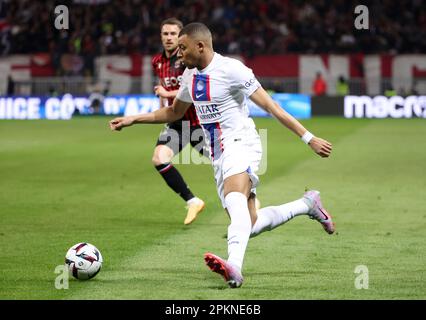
385, 107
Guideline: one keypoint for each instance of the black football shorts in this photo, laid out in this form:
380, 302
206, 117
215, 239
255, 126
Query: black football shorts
178, 134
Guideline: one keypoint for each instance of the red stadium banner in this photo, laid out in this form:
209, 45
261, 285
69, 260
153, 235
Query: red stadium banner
120, 70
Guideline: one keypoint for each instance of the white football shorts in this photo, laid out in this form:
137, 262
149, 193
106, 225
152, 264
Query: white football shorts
242, 152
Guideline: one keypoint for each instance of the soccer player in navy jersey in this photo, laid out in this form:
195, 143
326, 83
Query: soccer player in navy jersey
177, 134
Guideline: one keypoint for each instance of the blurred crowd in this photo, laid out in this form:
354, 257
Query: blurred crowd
247, 27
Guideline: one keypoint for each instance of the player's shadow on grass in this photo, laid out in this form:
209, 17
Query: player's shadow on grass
279, 273
223, 286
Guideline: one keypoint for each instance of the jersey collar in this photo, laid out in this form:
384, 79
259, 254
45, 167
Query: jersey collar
174, 53
210, 65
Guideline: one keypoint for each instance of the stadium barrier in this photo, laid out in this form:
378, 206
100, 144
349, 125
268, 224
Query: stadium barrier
327, 106
67, 106
298, 105
370, 106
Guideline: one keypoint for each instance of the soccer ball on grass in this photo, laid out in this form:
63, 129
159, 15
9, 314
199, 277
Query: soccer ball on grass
84, 261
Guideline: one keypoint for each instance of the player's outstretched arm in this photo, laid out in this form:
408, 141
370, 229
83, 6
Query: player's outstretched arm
264, 100
163, 115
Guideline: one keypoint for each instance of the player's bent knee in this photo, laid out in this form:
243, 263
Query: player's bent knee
162, 155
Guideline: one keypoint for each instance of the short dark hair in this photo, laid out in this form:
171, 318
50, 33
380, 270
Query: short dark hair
195, 28
198, 30
173, 21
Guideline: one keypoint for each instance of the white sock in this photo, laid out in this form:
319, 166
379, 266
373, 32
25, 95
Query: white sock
193, 200
271, 217
240, 227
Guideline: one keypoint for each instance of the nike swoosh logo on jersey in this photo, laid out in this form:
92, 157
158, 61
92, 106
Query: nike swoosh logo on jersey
198, 95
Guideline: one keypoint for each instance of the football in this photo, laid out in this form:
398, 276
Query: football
84, 261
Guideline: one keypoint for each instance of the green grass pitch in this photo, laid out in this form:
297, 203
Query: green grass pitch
64, 182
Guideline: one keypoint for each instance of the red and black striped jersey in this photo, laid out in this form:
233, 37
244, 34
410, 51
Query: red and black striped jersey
169, 71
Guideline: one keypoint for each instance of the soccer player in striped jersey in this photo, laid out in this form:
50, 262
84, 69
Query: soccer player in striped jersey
177, 134
219, 87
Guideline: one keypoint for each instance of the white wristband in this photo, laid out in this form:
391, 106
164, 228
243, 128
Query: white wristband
307, 137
